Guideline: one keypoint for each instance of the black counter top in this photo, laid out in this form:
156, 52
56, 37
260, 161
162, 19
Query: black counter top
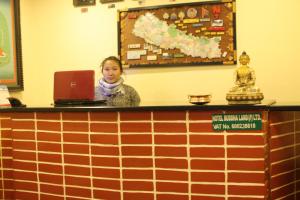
147, 106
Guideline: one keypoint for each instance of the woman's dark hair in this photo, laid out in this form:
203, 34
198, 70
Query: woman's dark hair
113, 58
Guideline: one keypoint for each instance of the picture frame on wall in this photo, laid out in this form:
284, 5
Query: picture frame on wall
198, 33
11, 72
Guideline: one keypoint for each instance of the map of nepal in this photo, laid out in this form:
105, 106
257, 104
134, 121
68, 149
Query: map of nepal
158, 32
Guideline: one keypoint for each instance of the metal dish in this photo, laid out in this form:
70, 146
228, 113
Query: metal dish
199, 99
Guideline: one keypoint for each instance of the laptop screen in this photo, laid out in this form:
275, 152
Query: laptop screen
74, 85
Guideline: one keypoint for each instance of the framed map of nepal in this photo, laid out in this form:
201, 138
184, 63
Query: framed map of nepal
10, 45
201, 33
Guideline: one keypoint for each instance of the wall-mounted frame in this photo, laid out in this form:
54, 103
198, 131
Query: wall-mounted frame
10, 45
200, 33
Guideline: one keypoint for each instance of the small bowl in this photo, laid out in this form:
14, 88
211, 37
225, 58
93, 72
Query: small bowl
199, 99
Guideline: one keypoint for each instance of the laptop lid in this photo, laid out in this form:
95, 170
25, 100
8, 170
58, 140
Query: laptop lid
74, 85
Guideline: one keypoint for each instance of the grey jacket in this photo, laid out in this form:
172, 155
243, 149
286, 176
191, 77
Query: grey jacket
129, 97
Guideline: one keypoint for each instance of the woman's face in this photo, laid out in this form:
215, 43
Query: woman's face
111, 71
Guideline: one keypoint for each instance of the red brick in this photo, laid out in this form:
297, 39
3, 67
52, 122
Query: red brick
172, 187
23, 125
105, 150
171, 163
137, 162
203, 197
22, 115
208, 189
297, 115
76, 138
171, 175
282, 192
208, 164
165, 127
47, 116
6, 123
21, 185
76, 148
247, 165
282, 179
135, 115
50, 168
138, 185
52, 189
50, 147
7, 134
258, 152
104, 127
137, 174
48, 126
78, 181
77, 159
22, 145
28, 166
105, 139
75, 116
106, 194
245, 140
137, 195
207, 152
278, 168
172, 197
107, 184
207, 176
76, 170
283, 141
78, 192
169, 115
135, 127
247, 190
280, 116
52, 158
105, 161
136, 151
7, 152
76, 126
170, 139
25, 195
170, 151
283, 128
239, 177
23, 175
49, 137
51, 197
297, 126
104, 116
206, 139
22, 155
136, 139
7, 143
201, 127
51, 178
281, 154
23, 135
106, 173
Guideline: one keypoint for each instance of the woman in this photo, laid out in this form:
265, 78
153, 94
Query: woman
111, 87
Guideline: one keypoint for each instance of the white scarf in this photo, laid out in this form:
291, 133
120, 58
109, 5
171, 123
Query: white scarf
109, 89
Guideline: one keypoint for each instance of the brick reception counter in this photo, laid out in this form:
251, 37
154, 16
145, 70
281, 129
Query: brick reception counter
167, 152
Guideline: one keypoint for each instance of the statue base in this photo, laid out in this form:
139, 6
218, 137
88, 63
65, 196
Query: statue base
244, 98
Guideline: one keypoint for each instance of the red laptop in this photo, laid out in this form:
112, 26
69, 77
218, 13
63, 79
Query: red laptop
74, 88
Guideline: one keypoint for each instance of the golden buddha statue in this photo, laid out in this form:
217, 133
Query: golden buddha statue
245, 91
